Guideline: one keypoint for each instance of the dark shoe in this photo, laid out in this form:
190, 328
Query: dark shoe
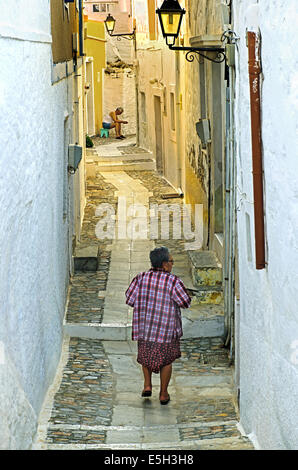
122, 137
165, 402
146, 393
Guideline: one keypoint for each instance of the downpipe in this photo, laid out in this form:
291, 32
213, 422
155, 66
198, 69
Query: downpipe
254, 70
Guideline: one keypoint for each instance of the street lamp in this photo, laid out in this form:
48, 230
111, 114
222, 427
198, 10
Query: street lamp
170, 16
110, 26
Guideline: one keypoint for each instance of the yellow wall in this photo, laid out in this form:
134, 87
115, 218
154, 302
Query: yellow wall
95, 47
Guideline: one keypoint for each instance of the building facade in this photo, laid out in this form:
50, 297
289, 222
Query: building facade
41, 203
177, 95
267, 321
95, 63
161, 94
122, 11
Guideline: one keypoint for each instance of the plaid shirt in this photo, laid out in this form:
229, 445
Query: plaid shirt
157, 296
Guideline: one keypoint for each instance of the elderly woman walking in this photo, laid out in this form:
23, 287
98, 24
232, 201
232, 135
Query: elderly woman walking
157, 296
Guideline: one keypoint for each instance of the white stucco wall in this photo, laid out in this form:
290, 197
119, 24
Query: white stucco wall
268, 298
33, 233
120, 91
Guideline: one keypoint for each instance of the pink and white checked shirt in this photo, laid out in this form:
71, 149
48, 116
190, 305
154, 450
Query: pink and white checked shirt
157, 296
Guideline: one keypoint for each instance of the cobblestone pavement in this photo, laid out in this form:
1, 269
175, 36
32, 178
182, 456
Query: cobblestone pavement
94, 401
97, 404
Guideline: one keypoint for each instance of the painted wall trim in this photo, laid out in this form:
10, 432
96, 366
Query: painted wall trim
96, 39
8, 31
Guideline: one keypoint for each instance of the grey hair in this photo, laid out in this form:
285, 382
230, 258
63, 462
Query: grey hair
120, 109
158, 256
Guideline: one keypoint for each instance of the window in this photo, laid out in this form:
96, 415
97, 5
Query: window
101, 8
172, 104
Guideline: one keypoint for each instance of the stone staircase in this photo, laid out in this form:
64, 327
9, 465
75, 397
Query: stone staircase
206, 272
205, 318
125, 161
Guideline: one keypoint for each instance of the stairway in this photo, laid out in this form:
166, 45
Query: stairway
205, 318
111, 158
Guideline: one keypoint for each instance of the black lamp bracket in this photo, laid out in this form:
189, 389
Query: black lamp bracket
201, 51
228, 36
129, 36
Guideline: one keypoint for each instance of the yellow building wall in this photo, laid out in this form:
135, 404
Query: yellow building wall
95, 47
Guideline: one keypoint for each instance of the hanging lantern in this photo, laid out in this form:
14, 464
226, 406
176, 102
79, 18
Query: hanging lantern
170, 16
110, 23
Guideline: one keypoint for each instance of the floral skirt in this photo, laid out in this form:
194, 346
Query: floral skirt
154, 356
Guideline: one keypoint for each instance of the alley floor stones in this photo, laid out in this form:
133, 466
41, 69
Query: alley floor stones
97, 404
95, 400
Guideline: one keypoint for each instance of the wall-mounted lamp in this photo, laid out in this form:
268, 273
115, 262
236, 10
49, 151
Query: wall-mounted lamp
74, 157
170, 16
110, 26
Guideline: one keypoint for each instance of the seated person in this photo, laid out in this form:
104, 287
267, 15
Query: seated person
110, 121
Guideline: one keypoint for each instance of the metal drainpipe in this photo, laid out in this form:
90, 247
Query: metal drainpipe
227, 213
81, 28
137, 88
230, 235
230, 210
178, 120
254, 70
232, 215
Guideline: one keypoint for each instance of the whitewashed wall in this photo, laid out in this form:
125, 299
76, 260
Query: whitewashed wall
268, 298
120, 91
33, 233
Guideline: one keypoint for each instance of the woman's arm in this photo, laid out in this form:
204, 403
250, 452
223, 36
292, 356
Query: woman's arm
180, 295
132, 291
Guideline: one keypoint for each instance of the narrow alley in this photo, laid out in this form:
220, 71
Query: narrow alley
95, 401
148, 190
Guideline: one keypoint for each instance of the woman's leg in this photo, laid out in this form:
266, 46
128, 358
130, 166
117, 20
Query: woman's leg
147, 378
165, 377
118, 129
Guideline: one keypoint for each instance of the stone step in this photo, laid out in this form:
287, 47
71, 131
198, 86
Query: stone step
200, 320
206, 274
127, 166
215, 435
91, 152
205, 269
203, 320
86, 258
116, 331
122, 158
231, 443
207, 295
